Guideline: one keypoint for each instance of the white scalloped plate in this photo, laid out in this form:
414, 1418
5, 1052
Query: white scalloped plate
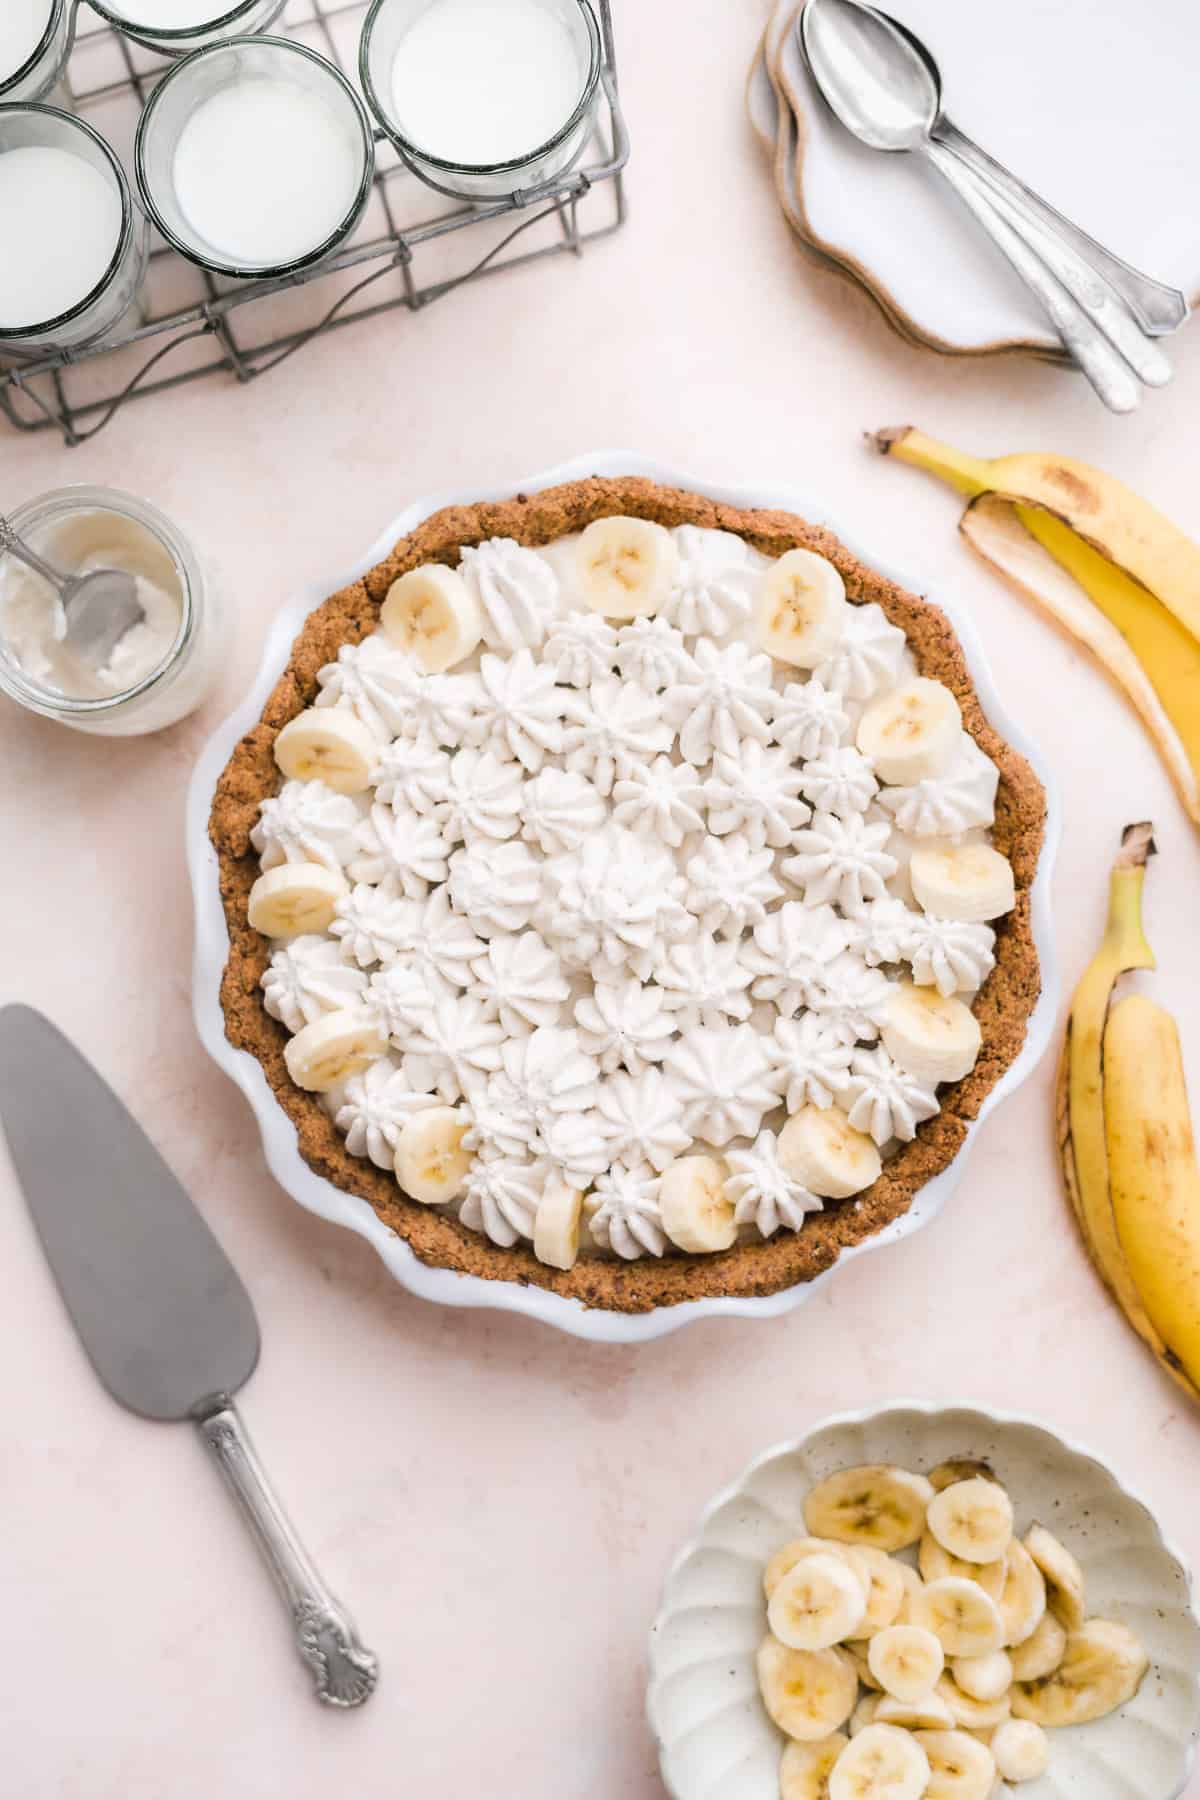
715, 1740
319, 1196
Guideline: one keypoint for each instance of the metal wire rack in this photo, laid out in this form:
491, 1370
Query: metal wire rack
411, 247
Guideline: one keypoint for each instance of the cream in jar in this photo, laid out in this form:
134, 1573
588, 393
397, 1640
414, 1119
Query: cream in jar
23, 25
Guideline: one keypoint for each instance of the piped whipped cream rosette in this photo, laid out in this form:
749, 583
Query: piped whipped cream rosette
628, 899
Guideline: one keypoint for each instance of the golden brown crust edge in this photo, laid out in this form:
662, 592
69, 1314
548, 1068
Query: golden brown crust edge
1003, 1005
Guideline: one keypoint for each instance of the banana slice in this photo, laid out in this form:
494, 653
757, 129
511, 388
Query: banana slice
929, 1713
804, 1769
808, 1693
626, 566
294, 897
972, 1715
961, 1767
983, 1677
1102, 1668
959, 1468
1021, 1750
856, 1650
913, 1587
935, 1563
819, 1602
1063, 1575
329, 744
1023, 1600
801, 610
431, 1164
876, 1504
961, 1616
821, 1148
973, 1520
885, 1590
333, 1048
556, 1224
971, 882
881, 1763
697, 1214
906, 1661
936, 1037
863, 1714
1042, 1652
432, 613
785, 1560
912, 733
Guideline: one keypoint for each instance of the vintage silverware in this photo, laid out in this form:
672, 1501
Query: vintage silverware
97, 609
884, 86
168, 1326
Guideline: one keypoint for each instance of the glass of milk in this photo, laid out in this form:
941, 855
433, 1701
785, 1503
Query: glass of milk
255, 157
177, 27
35, 40
162, 668
72, 243
482, 98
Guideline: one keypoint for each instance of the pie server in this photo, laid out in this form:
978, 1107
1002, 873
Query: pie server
159, 1307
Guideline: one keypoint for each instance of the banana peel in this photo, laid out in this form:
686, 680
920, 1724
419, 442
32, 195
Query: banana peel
1141, 646
1123, 527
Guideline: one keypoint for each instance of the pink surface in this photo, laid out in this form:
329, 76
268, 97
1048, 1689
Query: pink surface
495, 1503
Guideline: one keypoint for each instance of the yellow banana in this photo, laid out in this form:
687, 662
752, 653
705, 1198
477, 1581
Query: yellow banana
1119, 523
1153, 1174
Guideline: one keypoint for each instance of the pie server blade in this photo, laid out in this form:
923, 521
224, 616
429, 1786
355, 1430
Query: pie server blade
158, 1306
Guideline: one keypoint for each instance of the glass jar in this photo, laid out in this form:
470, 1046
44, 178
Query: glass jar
388, 25
39, 71
277, 181
58, 525
145, 23
108, 299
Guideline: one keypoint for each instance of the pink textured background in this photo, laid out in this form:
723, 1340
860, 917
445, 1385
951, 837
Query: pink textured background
495, 1503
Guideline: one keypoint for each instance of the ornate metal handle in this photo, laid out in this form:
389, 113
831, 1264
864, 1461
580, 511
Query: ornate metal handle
344, 1671
1107, 371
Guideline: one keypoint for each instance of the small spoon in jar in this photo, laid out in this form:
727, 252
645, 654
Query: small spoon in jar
97, 609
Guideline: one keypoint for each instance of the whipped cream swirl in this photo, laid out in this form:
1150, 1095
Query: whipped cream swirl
947, 805
640, 1119
714, 589
764, 1194
624, 1024
756, 792
842, 860
375, 1107
722, 698
307, 822
307, 977
810, 1058
581, 648
516, 589
883, 1099
724, 1081
559, 809
623, 1213
501, 1199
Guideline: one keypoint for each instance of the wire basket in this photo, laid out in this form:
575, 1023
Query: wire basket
411, 247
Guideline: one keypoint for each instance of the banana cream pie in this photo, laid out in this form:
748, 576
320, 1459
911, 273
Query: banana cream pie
627, 894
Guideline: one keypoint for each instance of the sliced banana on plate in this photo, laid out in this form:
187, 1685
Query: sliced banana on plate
912, 733
786, 1559
968, 1714
818, 1602
906, 1661
935, 1562
983, 1677
864, 1713
959, 1468
970, 882
875, 1504
821, 1148
801, 609
432, 613
961, 1616
1042, 1651
913, 1585
626, 566
1021, 1750
972, 1519
1064, 1578
929, 1713
431, 1164
1102, 1668
881, 1763
329, 744
333, 1048
961, 1768
857, 1650
936, 1037
808, 1693
293, 898
556, 1224
804, 1769
1022, 1601
885, 1589
697, 1213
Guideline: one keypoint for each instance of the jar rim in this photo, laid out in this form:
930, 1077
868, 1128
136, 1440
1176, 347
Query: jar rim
173, 33
84, 498
57, 8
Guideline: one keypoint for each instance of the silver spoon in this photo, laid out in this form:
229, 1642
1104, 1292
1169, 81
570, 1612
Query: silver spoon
97, 609
884, 87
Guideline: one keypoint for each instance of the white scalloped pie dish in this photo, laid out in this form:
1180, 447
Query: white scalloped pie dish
714, 1738
320, 1196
